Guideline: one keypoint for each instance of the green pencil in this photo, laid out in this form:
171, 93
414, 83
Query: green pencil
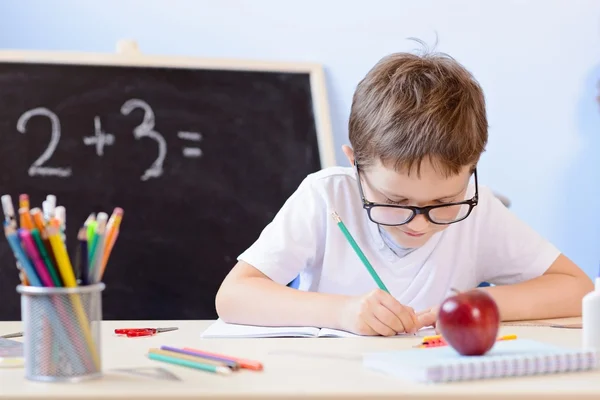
190, 364
359, 252
46, 257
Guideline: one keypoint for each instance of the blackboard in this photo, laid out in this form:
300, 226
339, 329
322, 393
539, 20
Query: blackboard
200, 154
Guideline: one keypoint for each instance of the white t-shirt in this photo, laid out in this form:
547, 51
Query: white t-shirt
491, 245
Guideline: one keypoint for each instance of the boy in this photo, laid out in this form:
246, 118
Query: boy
417, 128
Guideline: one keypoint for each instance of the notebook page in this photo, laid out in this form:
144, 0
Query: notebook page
327, 332
222, 329
507, 358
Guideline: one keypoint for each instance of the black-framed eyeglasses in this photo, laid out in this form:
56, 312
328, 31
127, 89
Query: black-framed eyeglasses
394, 215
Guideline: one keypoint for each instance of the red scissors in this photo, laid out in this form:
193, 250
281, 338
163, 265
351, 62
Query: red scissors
137, 332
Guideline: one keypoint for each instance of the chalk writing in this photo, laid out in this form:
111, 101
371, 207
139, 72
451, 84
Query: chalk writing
38, 168
101, 139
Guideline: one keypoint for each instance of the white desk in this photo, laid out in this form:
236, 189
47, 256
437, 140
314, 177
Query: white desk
290, 371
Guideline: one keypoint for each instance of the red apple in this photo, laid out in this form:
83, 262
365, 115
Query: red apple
469, 322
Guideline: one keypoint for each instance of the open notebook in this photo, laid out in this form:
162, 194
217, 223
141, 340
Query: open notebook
221, 329
518, 357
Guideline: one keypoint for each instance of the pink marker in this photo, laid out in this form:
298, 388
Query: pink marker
34, 254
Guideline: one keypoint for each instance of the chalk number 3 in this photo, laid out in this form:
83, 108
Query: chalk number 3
146, 129
38, 168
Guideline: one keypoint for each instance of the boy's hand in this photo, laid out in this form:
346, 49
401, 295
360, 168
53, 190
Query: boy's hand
377, 313
428, 318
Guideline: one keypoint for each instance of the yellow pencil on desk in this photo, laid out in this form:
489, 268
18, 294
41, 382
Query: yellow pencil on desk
438, 341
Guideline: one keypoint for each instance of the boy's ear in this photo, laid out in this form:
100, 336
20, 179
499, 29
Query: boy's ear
349, 153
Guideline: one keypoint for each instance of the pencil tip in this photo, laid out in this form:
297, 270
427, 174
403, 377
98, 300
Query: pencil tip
335, 216
224, 370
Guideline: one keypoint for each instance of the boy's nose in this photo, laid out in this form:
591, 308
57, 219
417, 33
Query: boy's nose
418, 224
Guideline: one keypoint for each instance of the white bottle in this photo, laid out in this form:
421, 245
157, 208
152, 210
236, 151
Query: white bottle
591, 318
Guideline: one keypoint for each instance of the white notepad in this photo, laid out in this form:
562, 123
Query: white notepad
221, 329
518, 357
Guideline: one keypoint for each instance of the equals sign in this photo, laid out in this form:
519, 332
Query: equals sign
190, 152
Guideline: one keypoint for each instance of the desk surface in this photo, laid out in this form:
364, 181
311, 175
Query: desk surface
318, 368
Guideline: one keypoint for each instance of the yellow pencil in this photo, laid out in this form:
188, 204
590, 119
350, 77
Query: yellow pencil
68, 277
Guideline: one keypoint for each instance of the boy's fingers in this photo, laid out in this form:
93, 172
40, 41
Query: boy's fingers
386, 317
379, 327
408, 321
405, 314
427, 319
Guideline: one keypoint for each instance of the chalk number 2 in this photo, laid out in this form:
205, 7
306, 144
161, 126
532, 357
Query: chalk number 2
38, 168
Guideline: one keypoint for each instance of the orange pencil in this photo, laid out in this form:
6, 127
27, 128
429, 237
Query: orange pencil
112, 232
38, 221
25, 219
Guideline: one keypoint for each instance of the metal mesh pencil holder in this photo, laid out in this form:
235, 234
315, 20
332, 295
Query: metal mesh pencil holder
61, 330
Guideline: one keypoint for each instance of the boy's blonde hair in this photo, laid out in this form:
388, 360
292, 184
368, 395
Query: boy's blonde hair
410, 108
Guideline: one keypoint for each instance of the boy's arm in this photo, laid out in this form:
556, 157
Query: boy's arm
557, 293
247, 296
273, 304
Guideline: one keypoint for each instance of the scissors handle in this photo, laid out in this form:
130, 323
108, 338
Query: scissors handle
141, 332
135, 332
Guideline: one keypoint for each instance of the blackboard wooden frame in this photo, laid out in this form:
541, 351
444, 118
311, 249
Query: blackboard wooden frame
128, 54
153, 241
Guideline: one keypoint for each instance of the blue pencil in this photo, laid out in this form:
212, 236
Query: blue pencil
15, 245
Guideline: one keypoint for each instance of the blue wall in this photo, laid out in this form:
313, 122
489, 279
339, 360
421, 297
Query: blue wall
538, 62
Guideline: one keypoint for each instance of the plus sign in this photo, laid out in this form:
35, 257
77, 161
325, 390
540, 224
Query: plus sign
100, 138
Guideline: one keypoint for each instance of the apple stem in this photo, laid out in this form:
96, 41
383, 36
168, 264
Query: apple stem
455, 290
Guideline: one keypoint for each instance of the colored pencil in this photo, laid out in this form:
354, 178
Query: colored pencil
8, 210
46, 257
25, 219
112, 232
359, 252
24, 201
19, 253
244, 363
182, 355
190, 364
82, 257
36, 258
95, 258
228, 363
68, 278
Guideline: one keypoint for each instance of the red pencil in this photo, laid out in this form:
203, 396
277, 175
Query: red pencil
243, 363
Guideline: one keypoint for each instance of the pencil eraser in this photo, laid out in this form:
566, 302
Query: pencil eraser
7, 205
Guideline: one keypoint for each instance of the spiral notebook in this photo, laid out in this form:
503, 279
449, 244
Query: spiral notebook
519, 357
